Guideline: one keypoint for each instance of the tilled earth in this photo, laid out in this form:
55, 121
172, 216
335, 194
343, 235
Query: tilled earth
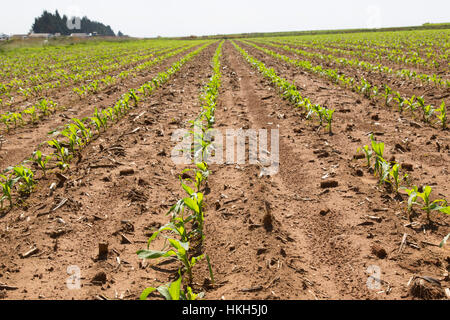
268, 237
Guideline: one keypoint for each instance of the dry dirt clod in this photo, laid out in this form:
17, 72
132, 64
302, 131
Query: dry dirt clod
268, 219
422, 288
102, 249
379, 251
329, 184
127, 172
99, 278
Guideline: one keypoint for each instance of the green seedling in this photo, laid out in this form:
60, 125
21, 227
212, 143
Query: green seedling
442, 116
41, 160
368, 153
427, 110
328, 115
25, 176
6, 119
133, 96
378, 149
61, 153
79, 92
384, 172
7, 183
395, 177
411, 104
32, 112
400, 101
428, 206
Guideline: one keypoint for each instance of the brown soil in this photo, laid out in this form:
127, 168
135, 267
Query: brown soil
278, 237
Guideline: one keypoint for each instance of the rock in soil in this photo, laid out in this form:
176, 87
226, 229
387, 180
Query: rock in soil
329, 184
427, 290
379, 251
99, 278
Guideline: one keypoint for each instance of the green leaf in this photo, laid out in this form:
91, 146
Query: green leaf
146, 293
152, 254
188, 189
174, 289
445, 210
164, 291
192, 204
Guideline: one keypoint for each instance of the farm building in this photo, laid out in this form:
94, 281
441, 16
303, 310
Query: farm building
41, 35
19, 36
79, 35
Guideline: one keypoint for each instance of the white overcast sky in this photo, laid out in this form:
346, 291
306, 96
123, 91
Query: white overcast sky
143, 18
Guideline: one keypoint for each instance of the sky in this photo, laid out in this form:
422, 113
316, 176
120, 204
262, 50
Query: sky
149, 18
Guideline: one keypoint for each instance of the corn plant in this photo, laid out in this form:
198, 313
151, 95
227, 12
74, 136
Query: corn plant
378, 149
84, 130
427, 110
6, 119
328, 115
365, 88
16, 117
368, 153
46, 106
400, 101
79, 92
61, 153
395, 177
71, 133
41, 160
427, 205
32, 112
133, 96
384, 171
411, 104
99, 120
412, 198
442, 116
26, 178
7, 183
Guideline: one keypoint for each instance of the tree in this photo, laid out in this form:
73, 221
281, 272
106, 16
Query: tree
54, 23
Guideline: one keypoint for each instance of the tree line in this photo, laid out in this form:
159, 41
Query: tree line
54, 23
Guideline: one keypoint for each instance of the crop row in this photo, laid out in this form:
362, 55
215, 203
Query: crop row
423, 48
289, 91
32, 115
30, 63
88, 75
367, 66
185, 230
369, 90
